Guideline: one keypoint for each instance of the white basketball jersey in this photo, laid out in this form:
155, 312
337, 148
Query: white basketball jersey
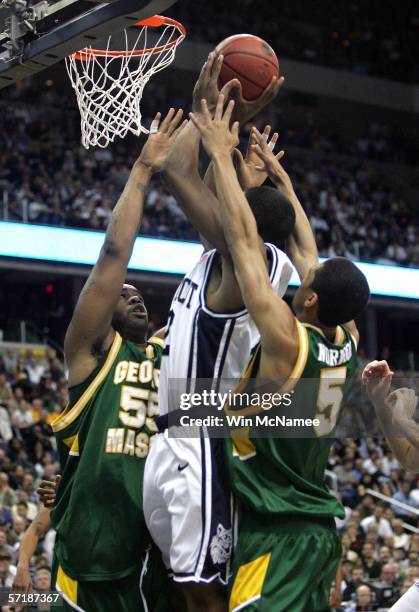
203, 344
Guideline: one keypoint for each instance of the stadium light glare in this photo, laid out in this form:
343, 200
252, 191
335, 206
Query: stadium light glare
23, 241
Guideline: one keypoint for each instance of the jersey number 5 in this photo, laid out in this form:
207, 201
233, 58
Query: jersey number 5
329, 399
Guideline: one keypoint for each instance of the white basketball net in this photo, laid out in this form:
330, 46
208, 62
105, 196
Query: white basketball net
109, 85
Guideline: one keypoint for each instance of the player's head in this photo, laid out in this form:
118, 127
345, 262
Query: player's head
130, 317
274, 214
332, 293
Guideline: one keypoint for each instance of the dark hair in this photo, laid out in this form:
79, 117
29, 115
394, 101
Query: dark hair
274, 214
342, 291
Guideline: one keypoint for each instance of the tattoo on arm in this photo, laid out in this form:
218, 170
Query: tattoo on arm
141, 187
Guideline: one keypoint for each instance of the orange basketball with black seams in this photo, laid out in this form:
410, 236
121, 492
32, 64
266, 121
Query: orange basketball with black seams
249, 59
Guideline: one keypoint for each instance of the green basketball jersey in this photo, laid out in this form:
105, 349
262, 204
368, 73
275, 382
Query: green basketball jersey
286, 475
103, 438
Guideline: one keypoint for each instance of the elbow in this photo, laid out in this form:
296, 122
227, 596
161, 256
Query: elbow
111, 249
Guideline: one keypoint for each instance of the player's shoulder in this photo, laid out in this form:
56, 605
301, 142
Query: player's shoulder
154, 348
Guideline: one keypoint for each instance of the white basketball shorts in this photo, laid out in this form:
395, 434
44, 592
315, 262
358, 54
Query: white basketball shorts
188, 508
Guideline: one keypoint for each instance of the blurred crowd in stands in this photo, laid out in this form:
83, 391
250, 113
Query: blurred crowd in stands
381, 555
47, 177
33, 390
363, 36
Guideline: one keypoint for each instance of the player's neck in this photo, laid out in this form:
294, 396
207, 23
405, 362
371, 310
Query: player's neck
139, 341
329, 332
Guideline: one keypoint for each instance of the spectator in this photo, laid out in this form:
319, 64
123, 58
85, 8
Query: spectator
371, 567
35, 370
6, 393
401, 538
7, 570
4, 546
357, 579
376, 518
403, 495
7, 494
387, 588
42, 581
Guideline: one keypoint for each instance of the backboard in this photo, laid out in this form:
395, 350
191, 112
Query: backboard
39, 35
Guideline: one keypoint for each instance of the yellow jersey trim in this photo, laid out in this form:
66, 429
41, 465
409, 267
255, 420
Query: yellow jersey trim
67, 587
155, 340
354, 340
62, 421
340, 336
300, 364
248, 584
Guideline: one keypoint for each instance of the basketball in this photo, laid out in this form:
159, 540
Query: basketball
249, 59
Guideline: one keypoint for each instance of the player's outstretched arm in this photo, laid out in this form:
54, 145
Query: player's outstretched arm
302, 244
90, 328
181, 172
22, 582
394, 412
271, 314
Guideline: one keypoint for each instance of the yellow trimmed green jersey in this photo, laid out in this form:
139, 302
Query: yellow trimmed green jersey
103, 438
286, 475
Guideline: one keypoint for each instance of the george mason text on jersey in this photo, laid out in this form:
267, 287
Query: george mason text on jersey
334, 357
138, 407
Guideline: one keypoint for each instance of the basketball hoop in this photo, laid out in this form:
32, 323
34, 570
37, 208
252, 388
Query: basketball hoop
109, 84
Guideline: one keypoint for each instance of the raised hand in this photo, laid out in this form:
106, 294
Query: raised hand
270, 160
206, 87
252, 170
161, 137
246, 109
216, 135
377, 378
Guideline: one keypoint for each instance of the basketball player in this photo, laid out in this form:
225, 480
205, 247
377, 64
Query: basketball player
395, 413
288, 548
209, 336
103, 435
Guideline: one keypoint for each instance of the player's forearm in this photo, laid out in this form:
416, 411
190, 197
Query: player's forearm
27, 547
236, 218
127, 214
403, 437
194, 197
302, 244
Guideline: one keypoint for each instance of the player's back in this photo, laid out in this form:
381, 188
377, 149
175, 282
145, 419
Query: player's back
285, 474
103, 439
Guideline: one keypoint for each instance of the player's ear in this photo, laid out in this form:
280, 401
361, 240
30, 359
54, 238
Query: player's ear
311, 300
